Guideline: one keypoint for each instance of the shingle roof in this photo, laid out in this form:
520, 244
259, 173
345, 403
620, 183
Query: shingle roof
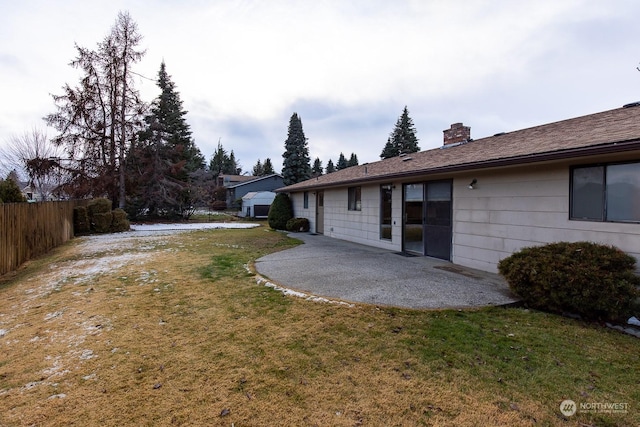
251, 179
614, 130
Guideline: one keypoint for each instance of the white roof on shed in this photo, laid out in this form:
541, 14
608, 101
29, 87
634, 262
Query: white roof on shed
259, 196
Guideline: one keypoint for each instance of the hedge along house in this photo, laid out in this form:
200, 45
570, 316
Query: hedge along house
474, 202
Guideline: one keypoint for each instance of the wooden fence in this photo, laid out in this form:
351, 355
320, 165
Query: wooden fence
28, 230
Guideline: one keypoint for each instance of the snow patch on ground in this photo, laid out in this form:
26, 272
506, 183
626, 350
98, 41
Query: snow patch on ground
98, 255
192, 226
290, 292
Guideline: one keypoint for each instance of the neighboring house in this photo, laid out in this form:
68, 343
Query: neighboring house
30, 193
256, 204
474, 202
256, 183
229, 180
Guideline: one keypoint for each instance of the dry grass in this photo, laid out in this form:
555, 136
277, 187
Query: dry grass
173, 330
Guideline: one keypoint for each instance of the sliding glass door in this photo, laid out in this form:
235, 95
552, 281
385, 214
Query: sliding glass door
413, 218
438, 220
427, 219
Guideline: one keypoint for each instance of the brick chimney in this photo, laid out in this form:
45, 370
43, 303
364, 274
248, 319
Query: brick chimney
457, 133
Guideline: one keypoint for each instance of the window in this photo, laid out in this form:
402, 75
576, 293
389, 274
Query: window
385, 211
306, 200
606, 193
355, 201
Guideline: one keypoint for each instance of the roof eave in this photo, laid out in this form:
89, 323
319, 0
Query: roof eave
609, 148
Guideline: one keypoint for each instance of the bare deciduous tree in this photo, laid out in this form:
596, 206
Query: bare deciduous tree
34, 155
99, 118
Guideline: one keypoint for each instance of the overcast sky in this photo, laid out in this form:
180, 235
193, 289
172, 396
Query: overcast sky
347, 68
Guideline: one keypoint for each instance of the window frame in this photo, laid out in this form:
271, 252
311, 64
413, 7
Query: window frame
354, 199
386, 189
604, 195
305, 200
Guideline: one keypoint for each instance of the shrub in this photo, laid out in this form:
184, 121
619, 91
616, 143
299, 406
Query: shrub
81, 222
99, 205
298, 224
98, 217
219, 205
119, 222
280, 212
592, 280
101, 222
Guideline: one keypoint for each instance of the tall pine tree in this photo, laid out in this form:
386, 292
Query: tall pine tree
267, 167
403, 138
258, 169
222, 163
164, 157
342, 162
316, 170
353, 160
296, 166
330, 167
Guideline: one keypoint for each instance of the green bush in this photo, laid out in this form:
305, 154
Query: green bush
99, 205
98, 217
280, 212
81, 223
101, 222
592, 280
298, 224
119, 222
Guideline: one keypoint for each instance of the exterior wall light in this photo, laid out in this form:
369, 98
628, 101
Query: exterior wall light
472, 185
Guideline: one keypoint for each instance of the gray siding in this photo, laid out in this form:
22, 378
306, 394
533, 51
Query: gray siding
266, 184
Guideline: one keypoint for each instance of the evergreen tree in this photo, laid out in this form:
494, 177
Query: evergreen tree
342, 162
219, 160
164, 157
263, 169
389, 150
232, 166
258, 169
330, 167
9, 190
296, 165
280, 212
403, 138
316, 170
222, 163
168, 118
353, 160
268, 167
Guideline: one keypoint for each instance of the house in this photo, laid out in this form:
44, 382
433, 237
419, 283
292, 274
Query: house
31, 192
224, 180
235, 192
475, 202
256, 204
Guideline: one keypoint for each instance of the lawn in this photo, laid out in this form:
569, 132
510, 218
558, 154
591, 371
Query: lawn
173, 329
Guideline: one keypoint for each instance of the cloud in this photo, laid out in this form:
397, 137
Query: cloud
348, 68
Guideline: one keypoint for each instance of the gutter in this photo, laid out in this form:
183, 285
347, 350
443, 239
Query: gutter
609, 148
